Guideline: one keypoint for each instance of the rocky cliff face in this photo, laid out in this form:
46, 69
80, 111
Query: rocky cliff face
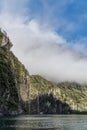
4, 40
14, 82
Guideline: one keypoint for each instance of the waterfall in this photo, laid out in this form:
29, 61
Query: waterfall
38, 104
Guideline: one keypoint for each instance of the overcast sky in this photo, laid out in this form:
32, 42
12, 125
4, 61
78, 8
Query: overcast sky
49, 36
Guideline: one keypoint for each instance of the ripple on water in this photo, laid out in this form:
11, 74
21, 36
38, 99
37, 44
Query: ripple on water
57, 122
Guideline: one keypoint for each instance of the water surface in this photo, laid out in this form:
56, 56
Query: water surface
46, 122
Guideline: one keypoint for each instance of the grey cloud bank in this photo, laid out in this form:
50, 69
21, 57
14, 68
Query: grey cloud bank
46, 53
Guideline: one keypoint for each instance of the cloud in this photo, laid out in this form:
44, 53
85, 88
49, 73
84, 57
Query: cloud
41, 49
46, 53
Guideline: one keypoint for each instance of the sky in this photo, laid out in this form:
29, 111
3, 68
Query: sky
49, 36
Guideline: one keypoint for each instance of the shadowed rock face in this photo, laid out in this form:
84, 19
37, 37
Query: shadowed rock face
48, 104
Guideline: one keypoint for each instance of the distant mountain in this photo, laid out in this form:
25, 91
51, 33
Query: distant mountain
21, 93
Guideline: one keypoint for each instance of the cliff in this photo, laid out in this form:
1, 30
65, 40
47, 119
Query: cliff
4, 40
14, 81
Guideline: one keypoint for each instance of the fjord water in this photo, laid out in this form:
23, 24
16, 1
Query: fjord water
46, 122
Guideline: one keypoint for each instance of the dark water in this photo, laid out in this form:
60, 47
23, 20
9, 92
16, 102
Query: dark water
48, 122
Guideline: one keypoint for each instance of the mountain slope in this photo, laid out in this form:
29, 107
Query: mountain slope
72, 96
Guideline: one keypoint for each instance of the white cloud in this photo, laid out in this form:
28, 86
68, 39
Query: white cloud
42, 50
